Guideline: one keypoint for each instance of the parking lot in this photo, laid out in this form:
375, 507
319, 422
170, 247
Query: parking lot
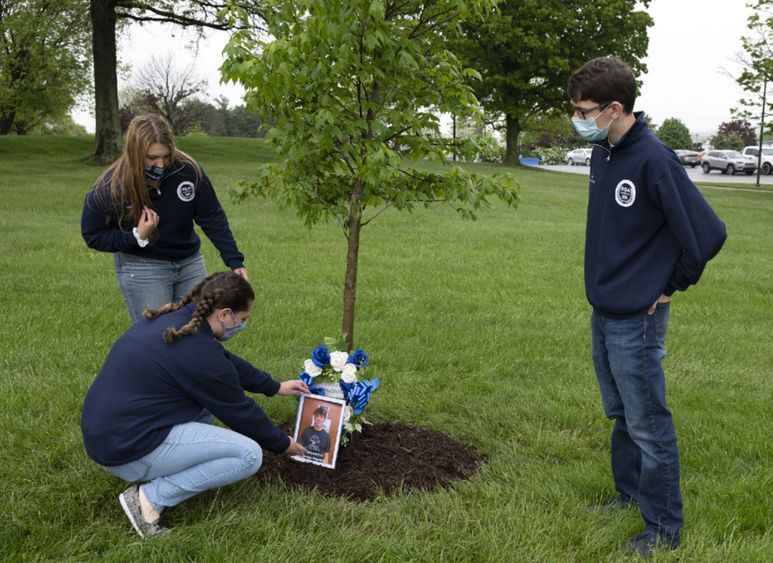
695, 174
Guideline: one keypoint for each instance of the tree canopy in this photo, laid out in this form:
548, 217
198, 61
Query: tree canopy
734, 135
353, 88
526, 51
44, 61
675, 134
757, 62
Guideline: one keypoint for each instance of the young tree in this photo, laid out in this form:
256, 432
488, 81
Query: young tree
526, 51
757, 71
675, 134
351, 87
44, 61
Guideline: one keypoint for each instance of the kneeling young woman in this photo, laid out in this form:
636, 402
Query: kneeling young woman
148, 415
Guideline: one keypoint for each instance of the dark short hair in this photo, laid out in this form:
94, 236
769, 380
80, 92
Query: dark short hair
604, 80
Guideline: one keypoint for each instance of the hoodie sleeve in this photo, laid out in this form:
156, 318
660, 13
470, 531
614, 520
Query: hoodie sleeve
213, 221
99, 225
251, 378
697, 229
223, 396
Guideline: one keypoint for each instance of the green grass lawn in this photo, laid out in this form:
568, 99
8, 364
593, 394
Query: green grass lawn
478, 329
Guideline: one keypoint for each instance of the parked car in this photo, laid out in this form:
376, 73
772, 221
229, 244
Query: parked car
728, 162
688, 158
766, 160
578, 156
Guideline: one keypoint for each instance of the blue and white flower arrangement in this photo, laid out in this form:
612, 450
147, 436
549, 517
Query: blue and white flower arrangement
341, 375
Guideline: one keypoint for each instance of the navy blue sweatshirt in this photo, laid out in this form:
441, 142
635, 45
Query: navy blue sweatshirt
147, 386
182, 201
649, 230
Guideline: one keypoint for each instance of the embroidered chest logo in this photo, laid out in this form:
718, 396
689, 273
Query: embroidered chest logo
186, 191
625, 193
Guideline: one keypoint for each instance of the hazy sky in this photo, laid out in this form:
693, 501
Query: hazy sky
691, 43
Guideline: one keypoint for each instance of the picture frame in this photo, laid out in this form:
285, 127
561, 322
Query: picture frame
318, 428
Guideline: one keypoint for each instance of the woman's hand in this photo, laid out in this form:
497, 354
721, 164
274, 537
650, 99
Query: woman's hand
242, 272
148, 223
293, 387
295, 448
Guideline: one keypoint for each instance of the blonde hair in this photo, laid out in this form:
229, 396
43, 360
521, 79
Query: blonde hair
218, 291
125, 178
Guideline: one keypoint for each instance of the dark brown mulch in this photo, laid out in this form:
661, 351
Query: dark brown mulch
386, 457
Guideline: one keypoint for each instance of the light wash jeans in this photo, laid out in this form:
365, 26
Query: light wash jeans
628, 355
148, 282
194, 457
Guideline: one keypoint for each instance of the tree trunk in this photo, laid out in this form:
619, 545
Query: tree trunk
353, 226
108, 123
513, 130
6, 122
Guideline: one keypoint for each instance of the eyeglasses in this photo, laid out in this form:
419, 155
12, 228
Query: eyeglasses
583, 113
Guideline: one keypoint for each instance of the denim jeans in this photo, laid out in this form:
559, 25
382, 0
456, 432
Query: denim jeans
193, 458
148, 282
628, 355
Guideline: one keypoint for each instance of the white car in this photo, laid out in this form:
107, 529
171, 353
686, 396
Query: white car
578, 156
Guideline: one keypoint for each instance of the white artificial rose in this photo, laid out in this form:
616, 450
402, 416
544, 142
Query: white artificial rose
338, 360
311, 368
348, 412
349, 373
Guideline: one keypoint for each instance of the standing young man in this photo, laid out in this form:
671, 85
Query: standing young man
649, 233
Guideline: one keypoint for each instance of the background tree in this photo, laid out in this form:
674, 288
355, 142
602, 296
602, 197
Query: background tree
728, 141
169, 89
527, 50
675, 134
44, 60
106, 16
757, 65
352, 88
734, 135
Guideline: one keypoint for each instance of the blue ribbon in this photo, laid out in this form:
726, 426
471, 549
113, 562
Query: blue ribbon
358, 394
309, 381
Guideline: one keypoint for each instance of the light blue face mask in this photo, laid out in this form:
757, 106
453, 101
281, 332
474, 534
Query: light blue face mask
229, 332
588, 129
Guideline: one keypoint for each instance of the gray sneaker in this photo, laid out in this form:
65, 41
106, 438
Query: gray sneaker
130, 502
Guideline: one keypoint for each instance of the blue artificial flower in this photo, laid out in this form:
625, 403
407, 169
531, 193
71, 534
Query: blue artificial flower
359, 358
321, 356
358, 394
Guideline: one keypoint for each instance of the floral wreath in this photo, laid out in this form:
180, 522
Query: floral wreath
325, 368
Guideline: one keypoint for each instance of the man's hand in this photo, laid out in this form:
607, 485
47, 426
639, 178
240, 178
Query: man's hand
293, 387
148, 223
662, 299
295, 448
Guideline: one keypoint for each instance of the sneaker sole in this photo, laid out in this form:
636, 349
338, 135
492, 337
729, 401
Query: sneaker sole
129, 515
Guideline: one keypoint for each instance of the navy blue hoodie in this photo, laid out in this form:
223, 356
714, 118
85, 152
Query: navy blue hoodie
147, 386
183, 199
649, 230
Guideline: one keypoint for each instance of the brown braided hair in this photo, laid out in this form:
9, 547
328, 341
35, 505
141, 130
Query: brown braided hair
218, 291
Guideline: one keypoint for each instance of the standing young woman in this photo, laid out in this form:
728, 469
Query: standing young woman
143, 208
148, 414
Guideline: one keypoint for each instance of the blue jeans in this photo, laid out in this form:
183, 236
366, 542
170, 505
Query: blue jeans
148, 282
193, 458
628, 355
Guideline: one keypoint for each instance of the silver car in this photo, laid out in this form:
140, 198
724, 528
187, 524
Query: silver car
578, 156
728, 162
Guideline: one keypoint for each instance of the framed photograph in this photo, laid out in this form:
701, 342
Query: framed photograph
318, 429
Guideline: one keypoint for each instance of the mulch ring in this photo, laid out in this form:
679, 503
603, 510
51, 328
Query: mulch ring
388, 457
